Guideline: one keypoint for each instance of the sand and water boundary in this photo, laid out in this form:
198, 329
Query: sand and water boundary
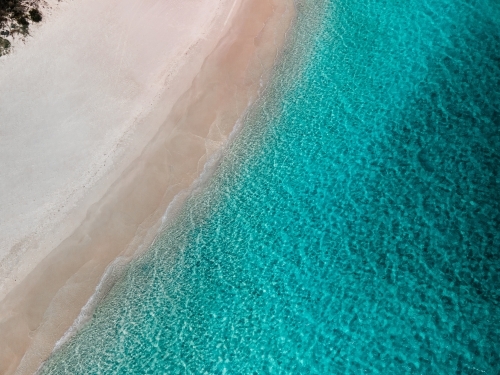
119, 217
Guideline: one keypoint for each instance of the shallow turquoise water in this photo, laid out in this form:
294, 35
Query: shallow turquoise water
353, 225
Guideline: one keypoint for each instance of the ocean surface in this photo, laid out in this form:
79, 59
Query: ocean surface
351, 227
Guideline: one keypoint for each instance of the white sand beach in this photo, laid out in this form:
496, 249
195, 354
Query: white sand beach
107, 112
71, 106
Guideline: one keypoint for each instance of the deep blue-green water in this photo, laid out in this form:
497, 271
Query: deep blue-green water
353, 225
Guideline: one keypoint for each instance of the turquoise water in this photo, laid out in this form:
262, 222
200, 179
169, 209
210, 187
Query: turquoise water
351, 228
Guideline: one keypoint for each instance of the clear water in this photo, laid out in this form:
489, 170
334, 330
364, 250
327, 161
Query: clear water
353, 227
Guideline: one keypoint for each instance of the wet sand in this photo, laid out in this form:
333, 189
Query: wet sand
123, 210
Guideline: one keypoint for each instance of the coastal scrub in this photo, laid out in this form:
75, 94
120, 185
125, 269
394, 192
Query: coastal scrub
15, 18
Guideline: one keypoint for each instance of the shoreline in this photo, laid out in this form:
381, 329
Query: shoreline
115, 269
38, 312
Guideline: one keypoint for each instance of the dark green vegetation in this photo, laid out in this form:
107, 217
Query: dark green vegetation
35, 15
15, 18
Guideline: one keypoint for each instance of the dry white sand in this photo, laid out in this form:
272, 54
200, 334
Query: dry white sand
106, 114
